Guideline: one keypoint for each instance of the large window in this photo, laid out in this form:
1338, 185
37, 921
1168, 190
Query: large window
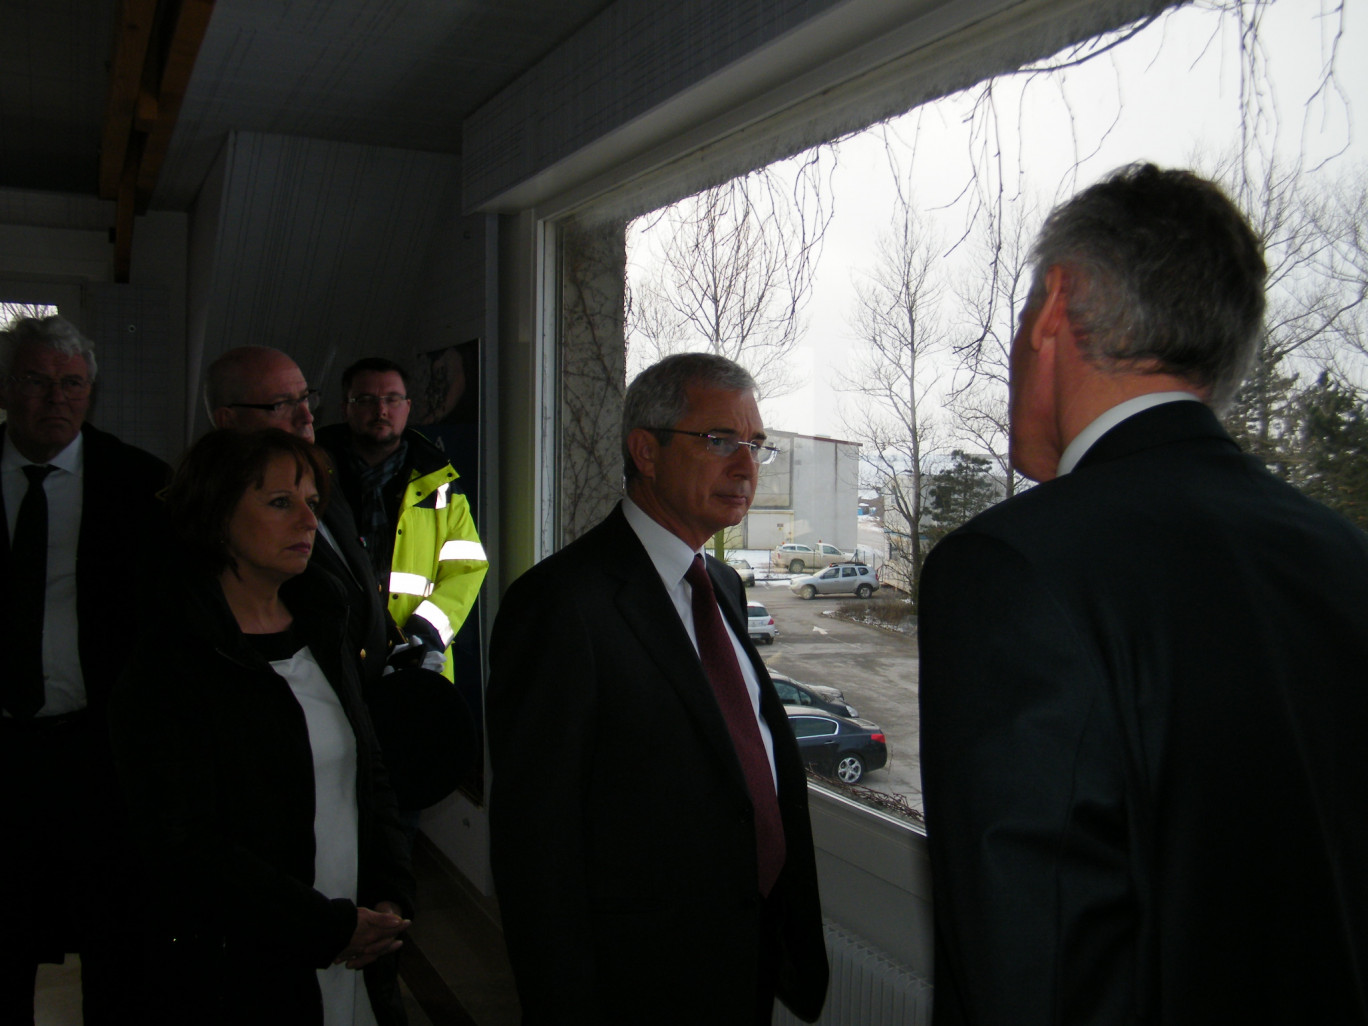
873, 286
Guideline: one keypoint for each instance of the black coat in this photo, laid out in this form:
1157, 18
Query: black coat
622, 841
1144, 699
370, 627
214, 758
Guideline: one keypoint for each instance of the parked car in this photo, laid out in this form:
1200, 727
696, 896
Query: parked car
759, 624
841, 579
838, 746
796, 557
815, 696
744, 569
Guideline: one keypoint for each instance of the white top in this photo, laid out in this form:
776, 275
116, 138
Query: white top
336, 821
672, 558
1086, 438
63, 683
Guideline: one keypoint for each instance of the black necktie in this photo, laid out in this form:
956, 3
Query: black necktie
23, 693
719, 663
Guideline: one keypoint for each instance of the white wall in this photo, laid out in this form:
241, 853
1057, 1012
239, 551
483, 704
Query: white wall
64, 257
812, 488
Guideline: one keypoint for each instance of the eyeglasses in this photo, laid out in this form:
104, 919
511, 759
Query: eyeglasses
36, 386
367, 400
275, 409
725, 445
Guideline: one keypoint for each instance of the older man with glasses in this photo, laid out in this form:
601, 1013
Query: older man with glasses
254, 387
79, 507
650, 841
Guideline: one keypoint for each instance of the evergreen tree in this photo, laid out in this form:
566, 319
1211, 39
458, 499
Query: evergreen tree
1265, 418
959, 493
1334, 447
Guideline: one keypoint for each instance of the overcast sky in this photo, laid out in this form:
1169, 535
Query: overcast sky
1169, 94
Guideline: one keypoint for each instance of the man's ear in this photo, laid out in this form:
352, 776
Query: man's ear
642, 445
1053, 319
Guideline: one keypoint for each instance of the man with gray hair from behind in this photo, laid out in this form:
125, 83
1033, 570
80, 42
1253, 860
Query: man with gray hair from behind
76, 570
1142, 683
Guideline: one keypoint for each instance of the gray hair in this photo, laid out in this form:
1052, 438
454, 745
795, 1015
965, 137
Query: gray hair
1166, 273
657, 398
55, 333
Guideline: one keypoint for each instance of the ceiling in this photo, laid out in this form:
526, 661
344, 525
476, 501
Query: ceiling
160, 83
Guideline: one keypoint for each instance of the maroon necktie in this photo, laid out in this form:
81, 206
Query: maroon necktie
719, 663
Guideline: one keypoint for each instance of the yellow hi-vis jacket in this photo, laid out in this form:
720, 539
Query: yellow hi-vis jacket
439, 562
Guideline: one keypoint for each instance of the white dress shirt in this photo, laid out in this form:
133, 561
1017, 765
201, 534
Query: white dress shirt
64, 686
672, 558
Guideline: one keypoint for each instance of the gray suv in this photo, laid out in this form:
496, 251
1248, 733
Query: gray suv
838, 579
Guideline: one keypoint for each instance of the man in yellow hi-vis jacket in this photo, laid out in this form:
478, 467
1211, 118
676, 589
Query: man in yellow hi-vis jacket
413, 518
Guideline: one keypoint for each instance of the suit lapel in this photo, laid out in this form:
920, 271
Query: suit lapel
97, 479
4, 525
350, 556
651, 617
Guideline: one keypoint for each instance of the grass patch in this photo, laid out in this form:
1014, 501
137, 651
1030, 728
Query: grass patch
891, 611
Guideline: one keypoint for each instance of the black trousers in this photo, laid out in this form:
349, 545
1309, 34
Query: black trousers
65, 868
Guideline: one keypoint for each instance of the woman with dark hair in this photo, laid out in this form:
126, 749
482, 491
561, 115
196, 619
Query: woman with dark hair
273, 853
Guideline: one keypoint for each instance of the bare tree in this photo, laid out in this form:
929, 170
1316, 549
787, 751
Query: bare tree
735, 270
1343, 218
897, 319
1308, 224
990, 296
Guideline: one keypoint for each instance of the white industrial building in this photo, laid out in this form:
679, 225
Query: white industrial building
810, 493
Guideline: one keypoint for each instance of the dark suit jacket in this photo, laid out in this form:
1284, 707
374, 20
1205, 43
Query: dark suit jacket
1144, 704
623, 848
115, 569
367, 614
69, 884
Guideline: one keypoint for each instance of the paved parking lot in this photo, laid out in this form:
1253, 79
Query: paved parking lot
876, 668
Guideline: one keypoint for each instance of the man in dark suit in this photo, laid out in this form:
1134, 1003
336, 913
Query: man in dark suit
253, 387
1143, 690
650, 840
75, 576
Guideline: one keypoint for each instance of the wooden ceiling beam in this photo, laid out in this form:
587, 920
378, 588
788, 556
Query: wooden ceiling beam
155, 48
132, 38
122, 232
190, 23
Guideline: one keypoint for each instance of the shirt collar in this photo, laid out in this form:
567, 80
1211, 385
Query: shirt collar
69, 459
670, 554
378, 475
1086, 438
